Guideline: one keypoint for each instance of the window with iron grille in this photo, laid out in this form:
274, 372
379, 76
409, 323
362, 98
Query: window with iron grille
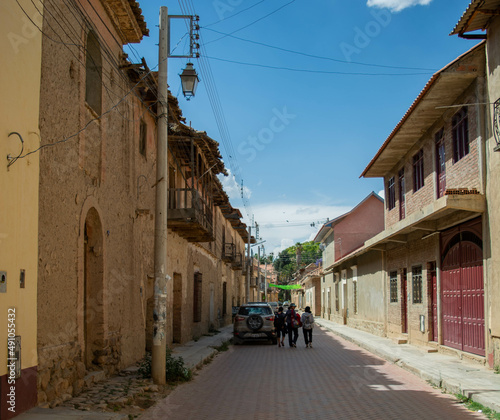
93, 73
355, 293
393, 278
460, 133
197, 293
391, 194
142, 138
337, 296
224, 298
416, 275
402, 194
418, 170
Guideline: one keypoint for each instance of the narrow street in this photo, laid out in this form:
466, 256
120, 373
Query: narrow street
333, 380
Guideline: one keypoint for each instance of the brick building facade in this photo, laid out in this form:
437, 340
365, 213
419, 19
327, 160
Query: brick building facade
481, 21
433, 170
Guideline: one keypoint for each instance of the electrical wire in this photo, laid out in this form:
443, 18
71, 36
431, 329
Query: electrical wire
315, 71
85, 127
254, 22
214, 99
107, 56
236, 14
316, 56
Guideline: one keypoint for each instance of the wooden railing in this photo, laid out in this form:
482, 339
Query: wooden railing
228, 252
188, 212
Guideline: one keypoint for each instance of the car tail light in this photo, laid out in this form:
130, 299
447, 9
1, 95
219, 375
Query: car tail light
240, 318
270, 318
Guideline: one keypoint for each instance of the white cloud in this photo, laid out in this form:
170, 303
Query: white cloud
381, 193
396, 5
232, 188
283, 224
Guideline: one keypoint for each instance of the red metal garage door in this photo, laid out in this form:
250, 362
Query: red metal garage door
463, 293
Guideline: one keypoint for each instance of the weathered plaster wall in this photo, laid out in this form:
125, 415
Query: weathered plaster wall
20, 47
101, 172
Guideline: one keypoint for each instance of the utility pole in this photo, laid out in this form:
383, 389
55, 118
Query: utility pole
259, 282
265, 283
158, 358
248, 265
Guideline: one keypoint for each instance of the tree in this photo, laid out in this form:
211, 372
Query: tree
286, 263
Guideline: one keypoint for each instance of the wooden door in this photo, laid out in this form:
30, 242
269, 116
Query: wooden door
463, 293
434, 311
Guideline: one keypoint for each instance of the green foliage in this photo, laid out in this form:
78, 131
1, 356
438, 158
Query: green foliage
474, 406
223, 347
286, 263
175, 369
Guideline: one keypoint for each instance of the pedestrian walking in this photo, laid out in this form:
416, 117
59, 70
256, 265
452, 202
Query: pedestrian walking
280, 326
293, 323
307, 320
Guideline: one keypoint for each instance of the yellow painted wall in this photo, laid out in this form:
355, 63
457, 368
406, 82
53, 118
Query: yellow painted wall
20, 49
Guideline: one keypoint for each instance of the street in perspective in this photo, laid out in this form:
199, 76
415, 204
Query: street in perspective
249, 209
335, 379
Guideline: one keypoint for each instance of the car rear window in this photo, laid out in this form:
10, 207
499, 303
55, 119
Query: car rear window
255, 310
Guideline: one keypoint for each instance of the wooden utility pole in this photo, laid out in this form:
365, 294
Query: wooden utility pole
158, 359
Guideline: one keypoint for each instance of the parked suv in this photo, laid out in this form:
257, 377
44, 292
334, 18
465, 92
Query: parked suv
254, 321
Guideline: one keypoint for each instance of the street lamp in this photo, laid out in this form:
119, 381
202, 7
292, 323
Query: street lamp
189, 81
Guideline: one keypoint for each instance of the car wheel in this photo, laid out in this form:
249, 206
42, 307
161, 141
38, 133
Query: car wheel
255, 322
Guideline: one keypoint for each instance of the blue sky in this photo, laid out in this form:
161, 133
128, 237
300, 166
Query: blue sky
299, 140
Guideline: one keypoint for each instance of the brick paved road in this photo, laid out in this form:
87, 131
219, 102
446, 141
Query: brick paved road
333, 380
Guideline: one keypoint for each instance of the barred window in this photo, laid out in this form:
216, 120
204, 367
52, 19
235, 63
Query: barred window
224, 298
337, 306
355, 293
93, 73
460, 132
143, 138
391, 193
418, 170
393, 276
416, 273
197, 294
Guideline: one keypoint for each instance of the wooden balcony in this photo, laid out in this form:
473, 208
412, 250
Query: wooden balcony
237, 263
189, 215
228, 252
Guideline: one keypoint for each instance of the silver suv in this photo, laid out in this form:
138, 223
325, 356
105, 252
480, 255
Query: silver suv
254, 321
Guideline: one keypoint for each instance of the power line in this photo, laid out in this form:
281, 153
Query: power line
215, 103
236, 14
315, 71
254, 22
316, 56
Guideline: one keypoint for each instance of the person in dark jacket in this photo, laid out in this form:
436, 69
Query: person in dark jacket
293, 324
280, 326
307, 326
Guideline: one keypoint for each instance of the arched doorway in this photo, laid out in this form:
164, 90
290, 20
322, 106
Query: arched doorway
463, 289
93, 307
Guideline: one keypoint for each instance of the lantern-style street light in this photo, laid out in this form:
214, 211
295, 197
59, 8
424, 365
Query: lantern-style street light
189, 80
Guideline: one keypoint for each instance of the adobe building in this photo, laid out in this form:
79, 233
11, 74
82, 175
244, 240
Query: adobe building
21, 48
97, 198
